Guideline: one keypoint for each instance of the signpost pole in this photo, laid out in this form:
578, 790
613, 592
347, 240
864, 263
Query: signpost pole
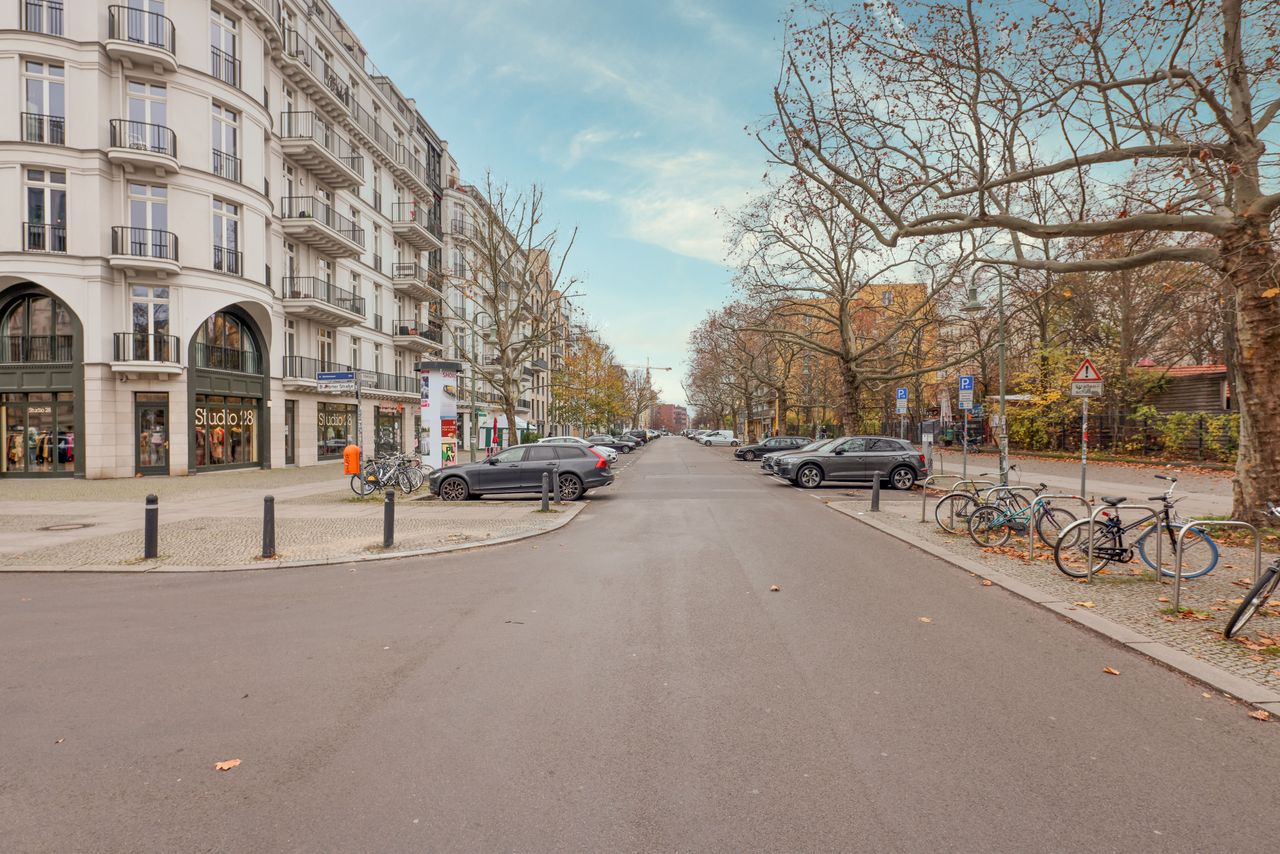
964, 446
1084, 449
360, 414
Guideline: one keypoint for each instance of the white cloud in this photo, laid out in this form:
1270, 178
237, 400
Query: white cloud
583, 195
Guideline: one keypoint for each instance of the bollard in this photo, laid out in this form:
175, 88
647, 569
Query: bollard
546, 491
875, 495
151, 528
269, 526
388, 518
555, 476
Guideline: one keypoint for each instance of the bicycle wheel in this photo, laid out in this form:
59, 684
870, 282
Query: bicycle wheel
953, 510
1199, 551
1050, 523
1071, 551
416, 477
1263, 589
360, 485
988, 528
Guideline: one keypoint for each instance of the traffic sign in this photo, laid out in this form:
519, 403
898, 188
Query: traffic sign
966, 391
902, 401
335, 381
1087, 382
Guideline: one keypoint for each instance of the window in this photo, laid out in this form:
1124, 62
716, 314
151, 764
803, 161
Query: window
324, 346
36, 329
144, 23
852, 446
225, 125
377, 358
377, 188
147, 234
226, 238
44, 116
225, 343
399, 364
147, 114
335, 428
225, 430
355, 352
45, 228
542, 453
222, 41
290, 340
149, 324
511, 455
886, 298
42, 16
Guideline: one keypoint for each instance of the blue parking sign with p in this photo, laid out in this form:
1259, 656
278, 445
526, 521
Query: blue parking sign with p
966, 383
902, 394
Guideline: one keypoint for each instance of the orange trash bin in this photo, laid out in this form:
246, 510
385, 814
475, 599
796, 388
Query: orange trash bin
351, 459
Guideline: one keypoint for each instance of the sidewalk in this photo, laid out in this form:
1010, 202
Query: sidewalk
1127, 595
214, 521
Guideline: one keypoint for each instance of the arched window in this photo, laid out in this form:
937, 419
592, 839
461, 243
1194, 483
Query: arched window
36, 328
226, 343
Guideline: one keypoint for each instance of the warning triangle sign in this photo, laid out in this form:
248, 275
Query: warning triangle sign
1087, 373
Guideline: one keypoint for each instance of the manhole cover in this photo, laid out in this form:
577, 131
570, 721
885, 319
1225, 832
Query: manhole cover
67, 526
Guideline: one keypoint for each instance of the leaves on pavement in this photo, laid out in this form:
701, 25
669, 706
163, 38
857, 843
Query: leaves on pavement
1111, 670
1085, 604
226, 765
926, 619
1260, 715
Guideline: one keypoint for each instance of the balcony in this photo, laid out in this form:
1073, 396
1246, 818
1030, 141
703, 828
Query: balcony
315, 223
226, 359
464, 230
144, 250
140, 39
144, 354
417, 336
229, 261
224, 66
414, 282
412, 169
310, 141
268, 15
41, 237
300, 375
316, 299
414, 224
42, 16
143, 146
523, 405
45, 129
43, 349
300, 371
226, 165
309, 70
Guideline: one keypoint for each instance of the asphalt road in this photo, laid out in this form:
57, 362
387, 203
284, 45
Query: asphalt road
626, 684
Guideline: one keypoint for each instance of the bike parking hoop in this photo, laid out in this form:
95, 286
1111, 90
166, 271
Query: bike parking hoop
955, 488
986, 499
1031, 519
924, 492
1200, 523
1155, 514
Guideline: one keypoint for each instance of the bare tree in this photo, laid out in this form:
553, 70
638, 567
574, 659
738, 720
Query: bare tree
513, 289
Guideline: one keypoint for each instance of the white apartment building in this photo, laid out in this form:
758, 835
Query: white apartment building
203, 205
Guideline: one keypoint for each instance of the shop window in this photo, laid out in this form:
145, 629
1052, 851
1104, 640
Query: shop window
335, 428
39, 433
226, 430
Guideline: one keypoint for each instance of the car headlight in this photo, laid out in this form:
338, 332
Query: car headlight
785, 460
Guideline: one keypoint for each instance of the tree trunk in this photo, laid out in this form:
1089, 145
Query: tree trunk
1251, 270
509, 410
783, 406
850, 389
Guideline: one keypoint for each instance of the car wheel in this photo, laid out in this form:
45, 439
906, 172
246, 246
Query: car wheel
749, 456
809, 477
454, 489
735, 444
625, 449
707, 443
903, 477
570, 487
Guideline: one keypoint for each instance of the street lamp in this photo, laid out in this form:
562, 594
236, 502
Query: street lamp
976, 304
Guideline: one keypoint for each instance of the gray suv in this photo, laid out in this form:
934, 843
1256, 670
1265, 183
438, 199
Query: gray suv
519, 469
857, 459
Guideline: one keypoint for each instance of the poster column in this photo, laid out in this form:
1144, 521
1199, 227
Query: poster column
438, 440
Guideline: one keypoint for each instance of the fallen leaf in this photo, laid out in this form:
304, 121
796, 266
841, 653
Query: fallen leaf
1111, 670
926, 619
1162, 598
987, 582
227, 765
1270, 292
1260, 715
1206, 695
1085, 604
775, 589
59, 741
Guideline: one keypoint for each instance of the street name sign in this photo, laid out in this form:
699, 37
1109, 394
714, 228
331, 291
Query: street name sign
1087, 382
335, 381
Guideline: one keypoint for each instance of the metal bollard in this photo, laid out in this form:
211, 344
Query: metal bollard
151, 528
269, 526
555, 483
546, 491
388, 518
875, 495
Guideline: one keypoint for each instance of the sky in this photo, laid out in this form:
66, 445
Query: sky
633, 116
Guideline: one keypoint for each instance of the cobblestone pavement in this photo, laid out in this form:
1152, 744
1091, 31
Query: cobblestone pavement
1129, 594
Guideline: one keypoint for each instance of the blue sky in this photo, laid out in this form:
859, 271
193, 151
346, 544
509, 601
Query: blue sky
632, 116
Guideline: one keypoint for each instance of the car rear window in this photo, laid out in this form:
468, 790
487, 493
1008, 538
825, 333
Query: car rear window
541, 453
570, 452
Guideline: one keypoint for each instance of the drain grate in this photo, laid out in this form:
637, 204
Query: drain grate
67, 526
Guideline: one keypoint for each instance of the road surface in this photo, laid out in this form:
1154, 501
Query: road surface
627, 684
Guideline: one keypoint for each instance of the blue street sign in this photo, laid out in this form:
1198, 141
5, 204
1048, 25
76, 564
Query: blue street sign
335, 376
966, 383
902, 394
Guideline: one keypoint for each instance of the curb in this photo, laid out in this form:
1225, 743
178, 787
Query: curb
1211, 675
142, 568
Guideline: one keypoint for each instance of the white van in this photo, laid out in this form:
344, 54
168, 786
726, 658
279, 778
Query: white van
719, 437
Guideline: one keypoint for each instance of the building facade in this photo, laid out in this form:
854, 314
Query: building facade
669, 417
206, 205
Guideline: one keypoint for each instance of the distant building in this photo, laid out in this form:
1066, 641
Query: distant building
668, 416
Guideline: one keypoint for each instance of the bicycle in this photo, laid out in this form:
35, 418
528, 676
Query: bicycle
1263, 589
992, 524
393, 470
953, 510
1199, 551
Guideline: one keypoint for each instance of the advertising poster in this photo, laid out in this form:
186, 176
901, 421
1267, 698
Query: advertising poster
439, 440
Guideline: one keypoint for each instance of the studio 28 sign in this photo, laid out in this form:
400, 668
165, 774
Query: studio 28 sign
205, 417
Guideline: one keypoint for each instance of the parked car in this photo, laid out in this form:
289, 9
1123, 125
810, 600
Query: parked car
609, 454
855, 458
638, 435
773, 443
719, 437
602, 441
519, 469
767, 461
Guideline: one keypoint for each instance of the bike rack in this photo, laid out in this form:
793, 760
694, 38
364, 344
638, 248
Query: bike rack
1196, 523
924, 497
1104, 508
1031, 523
987, 498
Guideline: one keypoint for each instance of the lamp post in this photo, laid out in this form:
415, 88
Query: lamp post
976, 304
